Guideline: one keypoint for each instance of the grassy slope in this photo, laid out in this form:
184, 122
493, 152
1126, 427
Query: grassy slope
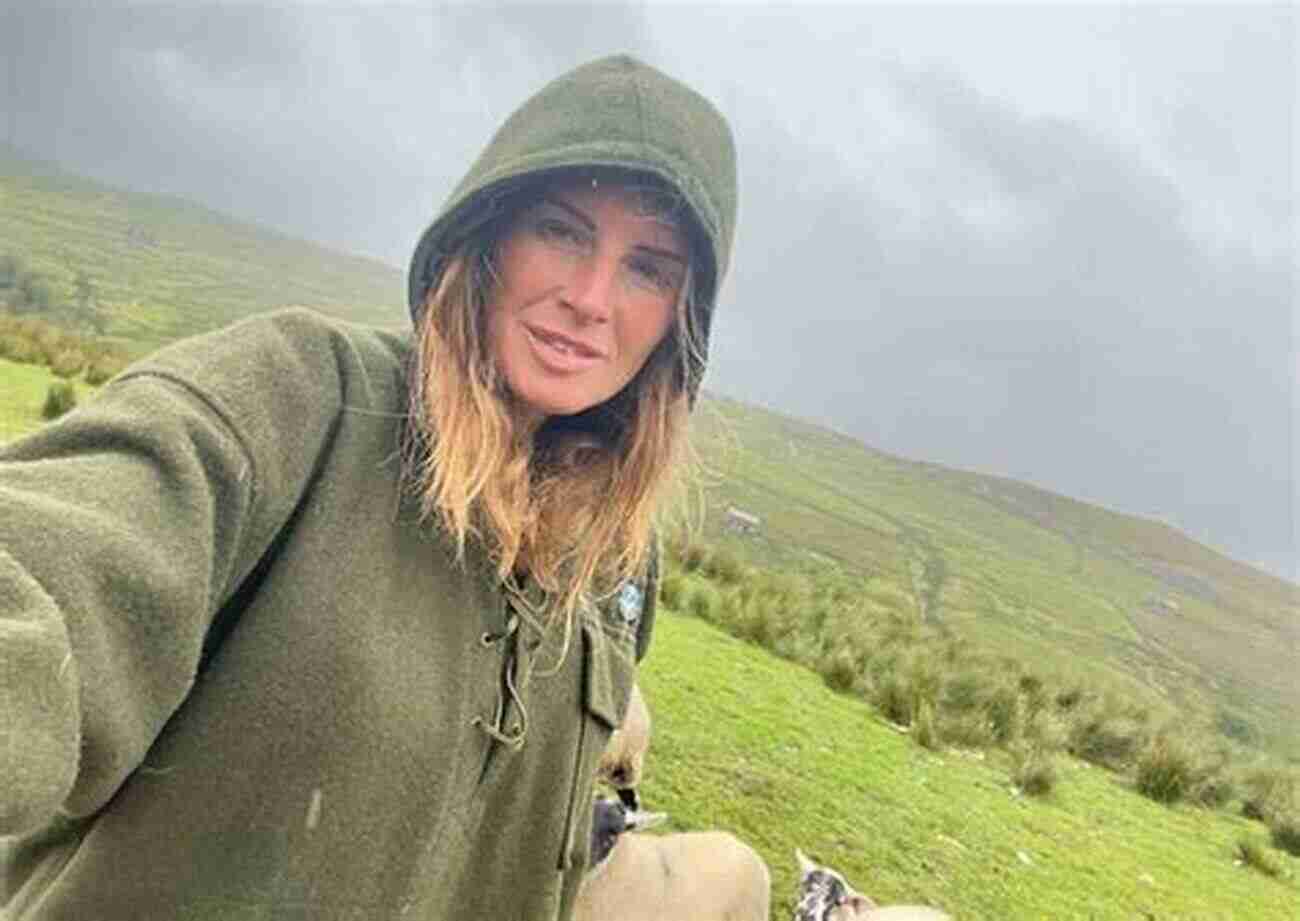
1069, 585
22, 394
166, 267
747, 742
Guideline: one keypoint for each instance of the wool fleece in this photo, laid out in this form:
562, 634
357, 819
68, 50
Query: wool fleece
241, 677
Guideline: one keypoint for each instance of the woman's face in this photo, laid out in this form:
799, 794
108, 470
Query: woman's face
588, 282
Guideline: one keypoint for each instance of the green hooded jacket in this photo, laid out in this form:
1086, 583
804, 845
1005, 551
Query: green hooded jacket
241, 678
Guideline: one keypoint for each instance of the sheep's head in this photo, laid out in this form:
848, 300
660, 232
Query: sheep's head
825, 895
610, 819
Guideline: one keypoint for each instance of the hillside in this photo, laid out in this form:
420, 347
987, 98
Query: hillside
164, 267
1070, 586
750, 743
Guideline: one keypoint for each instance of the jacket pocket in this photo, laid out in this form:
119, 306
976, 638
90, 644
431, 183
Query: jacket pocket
606, 686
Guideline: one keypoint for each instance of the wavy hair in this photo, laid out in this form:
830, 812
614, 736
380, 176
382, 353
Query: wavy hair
571, 504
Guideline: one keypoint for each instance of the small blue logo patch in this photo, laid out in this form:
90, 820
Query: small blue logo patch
630, 601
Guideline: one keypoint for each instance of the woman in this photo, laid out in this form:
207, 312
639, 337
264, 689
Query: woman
300, 619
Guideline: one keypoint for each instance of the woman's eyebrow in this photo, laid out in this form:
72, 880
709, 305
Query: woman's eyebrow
665, 253
572, 209
590, 224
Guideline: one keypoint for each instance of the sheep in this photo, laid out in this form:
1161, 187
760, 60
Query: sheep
691, 876
825, 895
621, 761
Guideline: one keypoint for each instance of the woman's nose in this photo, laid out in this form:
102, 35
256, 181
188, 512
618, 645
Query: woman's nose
592, 288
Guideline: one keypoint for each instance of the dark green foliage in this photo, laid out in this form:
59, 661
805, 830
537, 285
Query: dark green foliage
59, 399
671, 587
1002, 707
1269, 791
1033, 769
1105, 738
723, 566
839, 671
1165, 770
1284, 830
703, 602
925, 730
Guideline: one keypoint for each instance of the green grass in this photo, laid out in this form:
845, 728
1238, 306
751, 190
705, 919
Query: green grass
22, 394
756, 745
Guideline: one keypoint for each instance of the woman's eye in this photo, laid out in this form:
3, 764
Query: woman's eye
554, 230
652, 273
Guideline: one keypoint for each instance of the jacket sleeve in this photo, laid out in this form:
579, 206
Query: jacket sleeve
123, 528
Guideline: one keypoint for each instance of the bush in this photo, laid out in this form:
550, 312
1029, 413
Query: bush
671, 586
924, 728
1165, 770
694, 556
1214, 789
1254, 856
703, 602
59, 399
68, 363
1267, 792
724, 566
17, 347
1002, 708
1033, 770
1284, 830
966, 730
103, 369
838, 670
1105, 739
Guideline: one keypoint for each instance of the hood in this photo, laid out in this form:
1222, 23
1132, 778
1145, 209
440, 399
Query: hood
613, 112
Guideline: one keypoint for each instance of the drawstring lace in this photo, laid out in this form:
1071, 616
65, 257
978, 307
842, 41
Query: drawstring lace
514, 736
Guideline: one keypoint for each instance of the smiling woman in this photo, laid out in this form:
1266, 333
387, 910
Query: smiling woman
305, 619
588, 280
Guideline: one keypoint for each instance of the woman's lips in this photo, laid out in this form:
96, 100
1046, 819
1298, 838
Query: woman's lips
560, 352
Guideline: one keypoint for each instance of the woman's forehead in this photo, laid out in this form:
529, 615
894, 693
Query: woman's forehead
640, 197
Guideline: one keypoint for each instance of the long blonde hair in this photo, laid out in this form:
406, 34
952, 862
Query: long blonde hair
572, 504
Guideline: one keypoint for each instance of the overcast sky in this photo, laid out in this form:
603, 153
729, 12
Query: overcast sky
1056, 243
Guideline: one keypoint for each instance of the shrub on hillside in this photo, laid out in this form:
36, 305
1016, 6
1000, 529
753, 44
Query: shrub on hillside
103, 369
68, 363
59, 399
1033, 769
1105, 738
703, 602
1254, 856
1165, 770
1284, 830
968, 729
723, 566
925, 728
16, 347
694, 556
1268, 791
839, 670
671, 586
1002, 708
